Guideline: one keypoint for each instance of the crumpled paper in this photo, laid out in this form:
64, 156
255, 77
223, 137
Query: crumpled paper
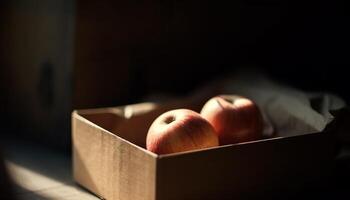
286, 110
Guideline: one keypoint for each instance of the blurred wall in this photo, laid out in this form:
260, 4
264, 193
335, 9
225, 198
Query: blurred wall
64, 55
126, 49
3, 70
37, 52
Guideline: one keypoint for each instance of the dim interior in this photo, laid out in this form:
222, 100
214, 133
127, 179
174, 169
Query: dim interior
132, 128
130, 122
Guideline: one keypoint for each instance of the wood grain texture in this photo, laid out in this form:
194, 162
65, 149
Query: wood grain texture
40, 173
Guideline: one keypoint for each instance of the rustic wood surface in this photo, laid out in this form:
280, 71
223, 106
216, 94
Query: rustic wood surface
41, 173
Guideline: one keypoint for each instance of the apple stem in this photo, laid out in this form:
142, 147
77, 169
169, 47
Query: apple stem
169, 119
218, 102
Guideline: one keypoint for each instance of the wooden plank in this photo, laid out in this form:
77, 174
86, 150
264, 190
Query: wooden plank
63, 192
40, 173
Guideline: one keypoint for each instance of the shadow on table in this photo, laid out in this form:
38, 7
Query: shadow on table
39, 172
6, 191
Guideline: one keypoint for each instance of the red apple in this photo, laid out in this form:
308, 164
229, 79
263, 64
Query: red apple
234, 118
180, 130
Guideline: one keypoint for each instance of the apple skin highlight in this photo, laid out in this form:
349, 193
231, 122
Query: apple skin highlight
235, 119
178, 131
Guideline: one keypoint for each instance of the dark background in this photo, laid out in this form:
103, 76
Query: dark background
62, 55
173, 46
56, 56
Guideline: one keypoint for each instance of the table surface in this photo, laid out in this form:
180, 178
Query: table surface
42, 173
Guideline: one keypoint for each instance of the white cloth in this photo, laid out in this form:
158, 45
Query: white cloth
286, 111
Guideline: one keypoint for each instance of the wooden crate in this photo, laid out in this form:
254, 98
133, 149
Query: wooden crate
110, 159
